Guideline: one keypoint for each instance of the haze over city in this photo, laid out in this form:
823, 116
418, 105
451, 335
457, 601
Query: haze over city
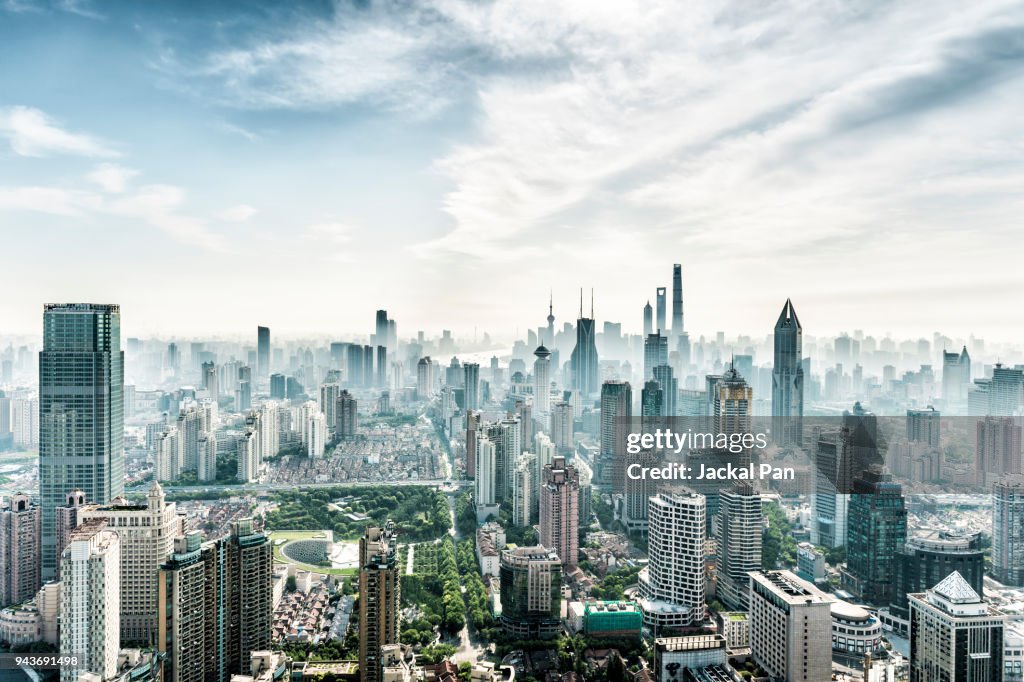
233, 163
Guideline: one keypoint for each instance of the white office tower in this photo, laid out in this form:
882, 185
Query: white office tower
146, 533
90, 597
789, 624
485, 472
955, 634
524, 489
671, 587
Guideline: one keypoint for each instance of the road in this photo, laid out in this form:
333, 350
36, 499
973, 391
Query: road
266, 487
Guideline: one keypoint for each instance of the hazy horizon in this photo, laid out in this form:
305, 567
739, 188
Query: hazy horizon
214, 167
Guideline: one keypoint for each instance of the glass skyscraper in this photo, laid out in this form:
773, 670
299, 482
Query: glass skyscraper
81, 411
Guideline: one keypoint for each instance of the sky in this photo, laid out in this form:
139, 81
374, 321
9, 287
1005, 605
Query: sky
213, 166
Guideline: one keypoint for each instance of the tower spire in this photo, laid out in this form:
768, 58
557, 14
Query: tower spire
591, 303
581, 303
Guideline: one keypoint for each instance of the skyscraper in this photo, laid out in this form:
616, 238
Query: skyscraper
90, 599
616, 411
562, 426
955, 634
380, 336
146, 533
671, 587
531, 592
655, 353
20, 577
739, 543
181, 611
81, 411
956, 380
524, 490
549, 339
542, 382
788, 379
379, 602
559, 511
927, 559
583, 360
997, 449
471, 381
1008, 531
485, 494
659, 297
789, 619
648, 319
346, 414
262, 352
677, 301
876, 530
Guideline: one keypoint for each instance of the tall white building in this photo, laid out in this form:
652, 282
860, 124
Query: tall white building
790, 622
248, 452
146, 535
90, 596
671, 587
167, 455
1008, 531
955, 634
485, 472
314, 429
524, 489
25, 422
207, 453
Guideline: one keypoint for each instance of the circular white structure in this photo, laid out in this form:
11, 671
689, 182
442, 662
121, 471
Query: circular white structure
855, 631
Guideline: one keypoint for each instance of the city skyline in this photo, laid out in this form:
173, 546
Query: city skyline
874, 185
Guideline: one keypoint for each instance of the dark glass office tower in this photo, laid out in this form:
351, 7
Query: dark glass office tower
876, 533
677, 301
262, 352
81, 411
584, 359
788, 379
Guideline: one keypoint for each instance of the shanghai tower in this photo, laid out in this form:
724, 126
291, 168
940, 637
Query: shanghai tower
788, 379
677, 300
81, 411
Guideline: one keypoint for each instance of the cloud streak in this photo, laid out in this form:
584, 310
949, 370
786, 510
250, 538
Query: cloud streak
31, 132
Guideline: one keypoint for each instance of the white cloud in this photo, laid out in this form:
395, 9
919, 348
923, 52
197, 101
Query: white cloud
237, 214
31, 132
112, 177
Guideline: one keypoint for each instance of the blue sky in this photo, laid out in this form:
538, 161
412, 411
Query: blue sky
211, 166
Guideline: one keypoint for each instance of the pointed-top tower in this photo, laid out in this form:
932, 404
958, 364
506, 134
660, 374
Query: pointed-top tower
788, 378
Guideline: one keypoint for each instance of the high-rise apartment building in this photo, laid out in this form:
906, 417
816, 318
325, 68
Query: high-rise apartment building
524, 489
81, 411
789, 622
788, 379
181, 611
1008, 531
559, 510
671, 587
616, 412
20, 576
346, 415
562, 426
67, 521
379, 599
90, 600
955, 635
997, 450
739, 543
